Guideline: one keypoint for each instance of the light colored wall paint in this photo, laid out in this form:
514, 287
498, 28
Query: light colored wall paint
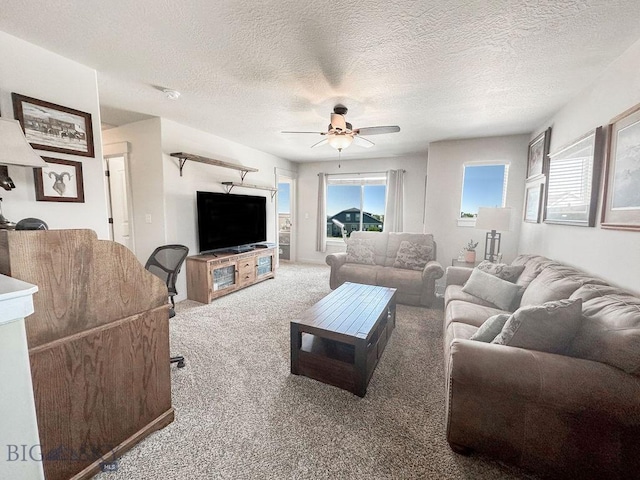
180, 192
306, 214
611, 254
36, 72
444, 190
147, 182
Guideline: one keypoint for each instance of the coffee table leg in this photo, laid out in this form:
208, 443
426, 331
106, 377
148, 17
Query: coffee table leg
296, 343
361, 368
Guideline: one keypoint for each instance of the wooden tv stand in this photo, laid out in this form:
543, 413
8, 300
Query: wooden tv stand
210, 277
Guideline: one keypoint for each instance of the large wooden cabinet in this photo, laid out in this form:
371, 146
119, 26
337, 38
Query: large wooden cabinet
212, 276
98, 346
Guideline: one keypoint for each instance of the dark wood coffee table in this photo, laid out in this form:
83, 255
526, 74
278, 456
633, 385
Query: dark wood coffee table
341, 338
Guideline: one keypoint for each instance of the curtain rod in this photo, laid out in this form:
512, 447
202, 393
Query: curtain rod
362, 173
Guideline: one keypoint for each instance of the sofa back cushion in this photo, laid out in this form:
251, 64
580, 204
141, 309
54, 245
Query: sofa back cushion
555, 282
533, 265
610, 330
379, 240
395, 238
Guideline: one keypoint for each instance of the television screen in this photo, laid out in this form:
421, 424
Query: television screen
226, 220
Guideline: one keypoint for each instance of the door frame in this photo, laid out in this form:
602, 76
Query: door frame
288, 176
121, 149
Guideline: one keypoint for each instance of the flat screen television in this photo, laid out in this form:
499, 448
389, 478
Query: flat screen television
226, 220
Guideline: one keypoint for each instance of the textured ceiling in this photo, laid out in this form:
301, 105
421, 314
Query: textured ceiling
249, 69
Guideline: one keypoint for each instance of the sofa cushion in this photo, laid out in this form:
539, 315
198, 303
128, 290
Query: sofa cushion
407, 281
547, 328
454, 292
396, 238
360, 250
492, 289
358, 273
533, 265
490, 329
469, 313
510, 273
610, 331
413, 256
379, 240
555, 282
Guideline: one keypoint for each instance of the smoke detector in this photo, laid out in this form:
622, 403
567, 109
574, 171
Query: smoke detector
171, 94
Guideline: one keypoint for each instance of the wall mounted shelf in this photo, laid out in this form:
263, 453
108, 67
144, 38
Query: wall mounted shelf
229, 186
183, 157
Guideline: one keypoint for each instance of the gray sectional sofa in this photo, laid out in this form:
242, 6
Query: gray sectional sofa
569, 415
415, 286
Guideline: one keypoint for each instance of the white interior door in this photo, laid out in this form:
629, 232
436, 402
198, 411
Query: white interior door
120, 202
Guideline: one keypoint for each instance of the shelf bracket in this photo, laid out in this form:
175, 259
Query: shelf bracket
243, 173
182, 161
228, 186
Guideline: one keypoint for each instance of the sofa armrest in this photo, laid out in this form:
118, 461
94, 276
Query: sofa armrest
570, 384
335, 261
458, 275
432, 270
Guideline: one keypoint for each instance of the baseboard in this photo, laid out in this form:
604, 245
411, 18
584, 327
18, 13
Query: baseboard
162, 421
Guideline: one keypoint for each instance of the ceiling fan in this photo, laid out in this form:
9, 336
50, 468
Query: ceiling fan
341, 134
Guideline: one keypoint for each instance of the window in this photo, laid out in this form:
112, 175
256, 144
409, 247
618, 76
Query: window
483, 185
357, 201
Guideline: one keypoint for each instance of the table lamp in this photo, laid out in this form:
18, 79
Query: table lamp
493, 219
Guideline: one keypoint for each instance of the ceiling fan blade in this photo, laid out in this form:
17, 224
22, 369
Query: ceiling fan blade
320, 143
363, 142
321, 133
338, 122
377, 130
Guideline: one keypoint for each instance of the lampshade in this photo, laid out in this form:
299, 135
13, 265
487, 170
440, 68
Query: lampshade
14, 148
339, 141
494, 219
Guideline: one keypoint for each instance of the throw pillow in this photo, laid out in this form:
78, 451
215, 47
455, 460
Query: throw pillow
492, 289
510, 273
491, 327
360, 250
547, 328
412, 256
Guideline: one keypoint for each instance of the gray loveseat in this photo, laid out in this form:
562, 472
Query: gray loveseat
415, 287
570, 415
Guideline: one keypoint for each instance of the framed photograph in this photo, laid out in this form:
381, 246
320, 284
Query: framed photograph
538, 152
60, 181
54, 128
621, 208
533, 202
573, 180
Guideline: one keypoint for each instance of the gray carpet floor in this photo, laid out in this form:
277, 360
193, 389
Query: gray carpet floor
240, 414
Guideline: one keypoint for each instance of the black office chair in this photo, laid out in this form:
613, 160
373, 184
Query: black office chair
165, 263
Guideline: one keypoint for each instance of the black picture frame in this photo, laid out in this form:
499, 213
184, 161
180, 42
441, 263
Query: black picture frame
54, 128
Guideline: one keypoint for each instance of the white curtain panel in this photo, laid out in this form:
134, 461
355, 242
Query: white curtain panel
394, 208
321, 234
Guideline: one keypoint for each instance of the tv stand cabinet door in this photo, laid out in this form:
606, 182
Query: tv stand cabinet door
265, 264
224, 278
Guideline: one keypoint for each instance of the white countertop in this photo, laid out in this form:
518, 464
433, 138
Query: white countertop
16, 299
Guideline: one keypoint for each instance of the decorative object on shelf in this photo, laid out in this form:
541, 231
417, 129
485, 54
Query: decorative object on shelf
533, 202
14, 150
183, 157
59, 181
470, 251
5, 180
493, 219
538, 152
4, 223
54, 128
573, 180
32, 224
621, 208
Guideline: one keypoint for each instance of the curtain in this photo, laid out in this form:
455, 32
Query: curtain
394, 208
321, 234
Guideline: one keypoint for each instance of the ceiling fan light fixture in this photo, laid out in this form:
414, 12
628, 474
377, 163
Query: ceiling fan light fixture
339, 141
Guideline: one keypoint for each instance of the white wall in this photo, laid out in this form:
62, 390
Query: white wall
147, 182
611, 254
444, 191
307, 205
35, 72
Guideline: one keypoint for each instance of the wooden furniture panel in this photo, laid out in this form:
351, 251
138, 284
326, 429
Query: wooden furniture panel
340, 339
212, 276
98, 346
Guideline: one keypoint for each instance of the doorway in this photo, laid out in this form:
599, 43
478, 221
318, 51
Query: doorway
121, 214
286, 214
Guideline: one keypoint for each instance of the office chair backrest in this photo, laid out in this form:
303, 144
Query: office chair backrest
165, 262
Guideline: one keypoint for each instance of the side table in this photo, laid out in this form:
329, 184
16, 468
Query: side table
457, 263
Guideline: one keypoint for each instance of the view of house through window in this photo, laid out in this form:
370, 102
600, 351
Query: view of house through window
357, 202
483, 186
